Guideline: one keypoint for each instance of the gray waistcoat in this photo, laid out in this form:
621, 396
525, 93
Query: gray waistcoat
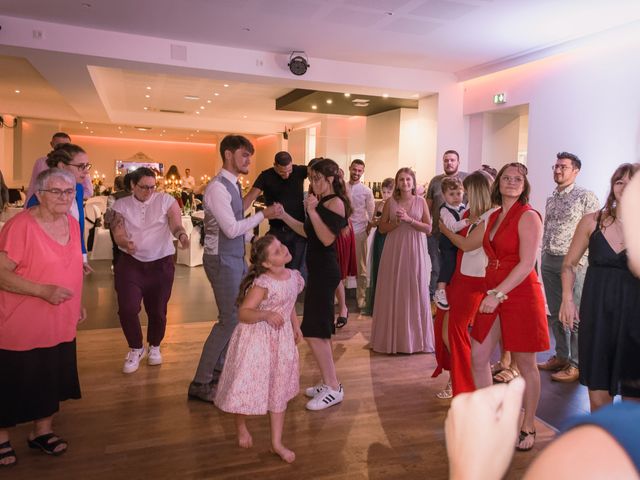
226, 246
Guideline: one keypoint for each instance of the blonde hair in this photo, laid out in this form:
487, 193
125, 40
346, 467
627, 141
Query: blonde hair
396, 190
478, 188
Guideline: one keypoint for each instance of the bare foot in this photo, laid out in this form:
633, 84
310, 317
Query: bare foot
245, 440
284, 453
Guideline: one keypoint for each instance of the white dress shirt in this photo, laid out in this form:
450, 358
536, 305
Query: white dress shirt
363, 206
217, 204
188, 182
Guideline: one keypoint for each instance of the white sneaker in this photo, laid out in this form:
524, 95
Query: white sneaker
132, 362
326, 398
440, 296
311, 392
155, 357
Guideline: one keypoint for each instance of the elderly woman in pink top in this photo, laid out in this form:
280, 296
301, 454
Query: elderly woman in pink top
144, 226
40, 307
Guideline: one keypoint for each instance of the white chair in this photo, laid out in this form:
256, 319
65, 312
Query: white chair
92, 214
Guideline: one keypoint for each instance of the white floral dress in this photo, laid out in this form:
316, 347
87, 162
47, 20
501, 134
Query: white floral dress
261, 370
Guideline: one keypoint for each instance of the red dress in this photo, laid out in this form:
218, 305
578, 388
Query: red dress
345, 245
523, 319
465, 294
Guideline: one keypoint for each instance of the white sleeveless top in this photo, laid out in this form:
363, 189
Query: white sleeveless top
474, 262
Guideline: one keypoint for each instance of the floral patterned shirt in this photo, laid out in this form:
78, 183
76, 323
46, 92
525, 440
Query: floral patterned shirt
563, 211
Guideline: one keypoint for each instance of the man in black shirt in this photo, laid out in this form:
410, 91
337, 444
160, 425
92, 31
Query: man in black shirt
283, 183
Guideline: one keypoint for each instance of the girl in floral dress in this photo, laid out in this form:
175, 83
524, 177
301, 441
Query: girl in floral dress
261, 372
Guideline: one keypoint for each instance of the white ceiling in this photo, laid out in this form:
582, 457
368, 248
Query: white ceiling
436, 35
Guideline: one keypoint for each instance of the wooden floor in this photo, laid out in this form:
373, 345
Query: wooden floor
142, 425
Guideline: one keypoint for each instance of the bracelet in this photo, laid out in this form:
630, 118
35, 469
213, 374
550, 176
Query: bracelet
500, 296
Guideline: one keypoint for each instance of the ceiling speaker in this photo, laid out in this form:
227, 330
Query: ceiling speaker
298, 63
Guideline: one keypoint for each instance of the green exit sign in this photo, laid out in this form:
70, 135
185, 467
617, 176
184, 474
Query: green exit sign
499, 98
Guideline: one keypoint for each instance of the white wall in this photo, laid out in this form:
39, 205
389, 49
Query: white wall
500, 139
382, 145
586, 101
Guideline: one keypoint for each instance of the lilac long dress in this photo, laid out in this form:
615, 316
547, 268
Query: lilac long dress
402, 320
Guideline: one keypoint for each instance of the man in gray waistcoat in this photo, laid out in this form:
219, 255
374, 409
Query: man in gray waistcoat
224, 264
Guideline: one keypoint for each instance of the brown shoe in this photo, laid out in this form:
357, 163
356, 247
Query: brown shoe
554, 364
568, 375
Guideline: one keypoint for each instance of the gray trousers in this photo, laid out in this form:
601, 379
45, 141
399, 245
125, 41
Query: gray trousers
434, 255
566, 341
225, 274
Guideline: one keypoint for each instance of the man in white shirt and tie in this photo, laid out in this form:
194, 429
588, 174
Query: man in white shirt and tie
223, 259
363, 207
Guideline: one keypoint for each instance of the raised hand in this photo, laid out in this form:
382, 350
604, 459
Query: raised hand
311, 202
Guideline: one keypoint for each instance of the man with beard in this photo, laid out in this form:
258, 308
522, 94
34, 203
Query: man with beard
564, 209
284, 184
363, 206
435, 199
223, 257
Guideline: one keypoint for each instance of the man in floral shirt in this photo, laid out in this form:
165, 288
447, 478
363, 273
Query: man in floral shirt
564, 209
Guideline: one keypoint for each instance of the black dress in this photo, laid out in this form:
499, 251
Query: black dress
323, 275
609, 339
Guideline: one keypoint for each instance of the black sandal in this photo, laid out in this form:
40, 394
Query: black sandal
42, 443
521, 438
341, 321
9, 453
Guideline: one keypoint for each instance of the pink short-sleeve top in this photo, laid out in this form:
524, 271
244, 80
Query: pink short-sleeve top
28, 322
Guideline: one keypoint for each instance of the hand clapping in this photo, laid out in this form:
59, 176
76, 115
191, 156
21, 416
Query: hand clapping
311, 202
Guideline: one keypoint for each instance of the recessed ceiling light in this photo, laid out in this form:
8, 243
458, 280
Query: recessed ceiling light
81, 122
119, 128
329, 101
216, 94
121, 131
17, 91
197, 131
146, 108
208, 101
314, 107
87, 128
385, 95
244, 116
191, 97
148, 87
164, 131
91, 131
147, 96
143, 129
347, 95
191, 134
225, 85
198, 112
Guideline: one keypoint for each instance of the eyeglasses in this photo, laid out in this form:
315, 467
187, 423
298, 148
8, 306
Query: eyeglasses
148, 188
60, 193
562, 168
510, 179
81, 166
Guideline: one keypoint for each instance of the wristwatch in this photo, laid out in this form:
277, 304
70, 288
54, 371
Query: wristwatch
500, 296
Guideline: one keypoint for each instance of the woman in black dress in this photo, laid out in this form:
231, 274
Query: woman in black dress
327, 209
609, 341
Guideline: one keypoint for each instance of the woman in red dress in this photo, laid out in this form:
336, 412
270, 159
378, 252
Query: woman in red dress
511, 242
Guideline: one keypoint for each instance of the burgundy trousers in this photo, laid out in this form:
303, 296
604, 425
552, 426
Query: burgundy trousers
148, 282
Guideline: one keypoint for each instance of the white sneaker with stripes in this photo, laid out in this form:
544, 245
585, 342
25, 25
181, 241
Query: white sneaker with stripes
311, 392
326, 398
